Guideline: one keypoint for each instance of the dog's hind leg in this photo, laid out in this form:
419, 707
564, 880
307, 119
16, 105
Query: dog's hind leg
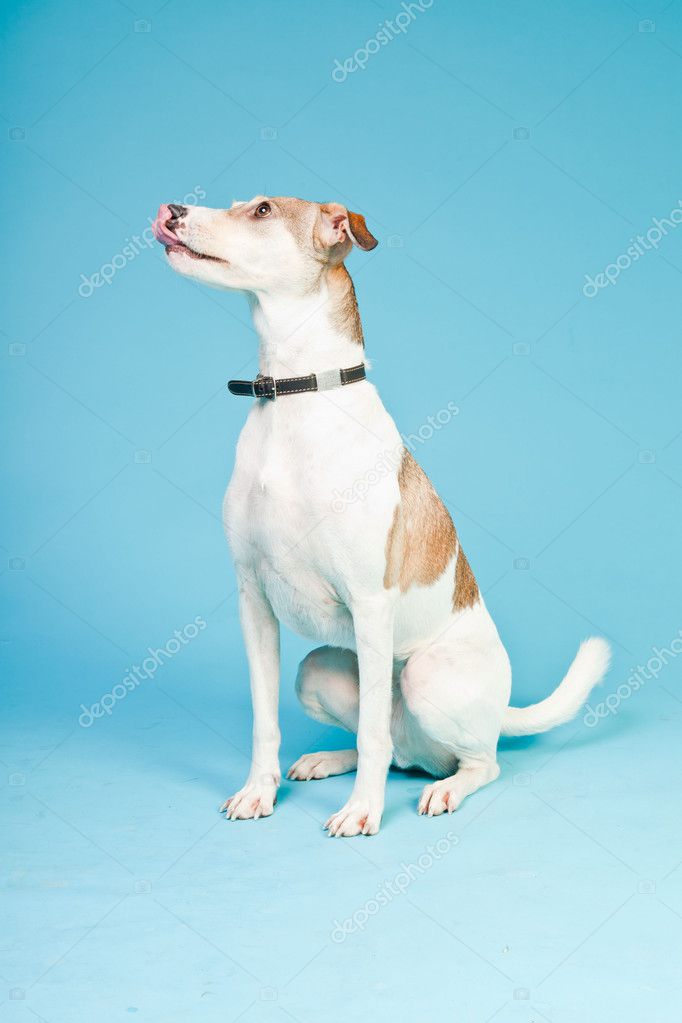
448, 793
328, 684
328, 687
456, 699
327, 763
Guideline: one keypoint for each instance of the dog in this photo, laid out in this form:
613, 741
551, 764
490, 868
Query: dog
409, 658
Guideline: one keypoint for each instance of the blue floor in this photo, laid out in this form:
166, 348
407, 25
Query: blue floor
520, 164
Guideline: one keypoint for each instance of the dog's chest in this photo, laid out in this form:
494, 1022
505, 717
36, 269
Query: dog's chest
274, 494
280, 525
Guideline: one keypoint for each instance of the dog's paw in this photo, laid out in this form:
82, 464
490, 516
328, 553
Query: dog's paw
441, 797
323, 765
256, 799
357, 817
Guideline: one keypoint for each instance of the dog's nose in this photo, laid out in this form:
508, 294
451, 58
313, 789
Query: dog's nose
177, 211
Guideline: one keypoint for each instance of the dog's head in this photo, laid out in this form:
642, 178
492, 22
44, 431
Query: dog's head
264, 245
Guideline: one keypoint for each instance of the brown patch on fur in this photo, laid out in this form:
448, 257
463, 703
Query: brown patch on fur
344, 313
422, 539
466, 588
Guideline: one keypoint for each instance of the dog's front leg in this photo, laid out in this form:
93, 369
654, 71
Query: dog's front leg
373, 623
260, 629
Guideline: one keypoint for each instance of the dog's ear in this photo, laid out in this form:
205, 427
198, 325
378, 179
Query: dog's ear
338, 225
360, 233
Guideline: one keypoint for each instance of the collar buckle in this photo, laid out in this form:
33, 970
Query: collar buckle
265, 387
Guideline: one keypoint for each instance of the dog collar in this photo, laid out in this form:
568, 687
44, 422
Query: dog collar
269, 387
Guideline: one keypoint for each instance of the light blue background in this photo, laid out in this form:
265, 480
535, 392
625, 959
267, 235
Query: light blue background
501, 152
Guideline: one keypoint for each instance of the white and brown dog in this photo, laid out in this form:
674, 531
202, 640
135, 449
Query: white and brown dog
411, 660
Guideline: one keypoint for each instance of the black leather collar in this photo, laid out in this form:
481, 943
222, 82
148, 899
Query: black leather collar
269, 387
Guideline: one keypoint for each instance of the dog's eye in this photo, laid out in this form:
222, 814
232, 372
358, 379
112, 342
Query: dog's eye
263, 210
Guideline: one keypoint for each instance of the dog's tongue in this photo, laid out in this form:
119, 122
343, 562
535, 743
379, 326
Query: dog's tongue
161, 232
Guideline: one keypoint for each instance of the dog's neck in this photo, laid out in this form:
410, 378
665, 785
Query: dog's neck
300, 334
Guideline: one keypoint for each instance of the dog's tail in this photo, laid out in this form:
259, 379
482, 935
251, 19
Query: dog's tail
588, 668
